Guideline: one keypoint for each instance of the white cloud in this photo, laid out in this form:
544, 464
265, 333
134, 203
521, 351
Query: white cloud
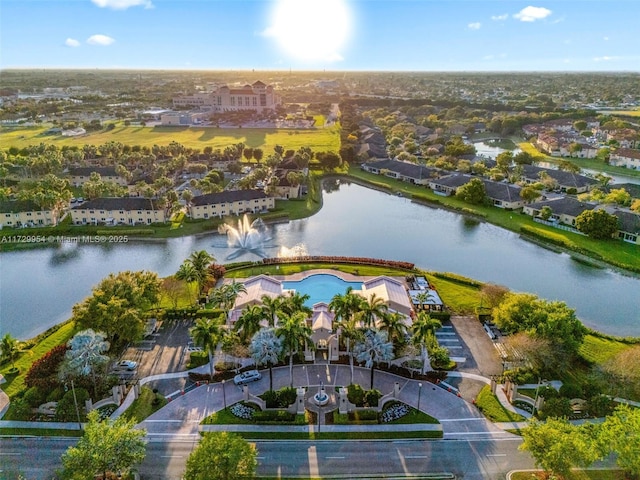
474, 26
504, 16
99, 39
606, 39
605, 59
72, 42
122, 4
531, 14
488, 57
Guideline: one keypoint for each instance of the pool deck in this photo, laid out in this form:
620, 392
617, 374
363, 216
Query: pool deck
347, 277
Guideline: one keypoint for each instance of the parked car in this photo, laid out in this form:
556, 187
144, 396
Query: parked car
247, 377
127, 365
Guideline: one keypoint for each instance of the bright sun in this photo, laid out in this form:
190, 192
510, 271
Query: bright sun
311, 29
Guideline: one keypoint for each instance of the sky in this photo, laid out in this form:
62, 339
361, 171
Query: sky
335, 35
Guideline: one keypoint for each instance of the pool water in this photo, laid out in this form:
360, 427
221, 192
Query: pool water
321, 287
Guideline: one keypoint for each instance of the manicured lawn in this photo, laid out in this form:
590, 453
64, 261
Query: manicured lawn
15, 383
598, 350
291, 268
320, 139
337, 435
184, 296
491, 407
458, 298
143, 406
40, 432
575, 475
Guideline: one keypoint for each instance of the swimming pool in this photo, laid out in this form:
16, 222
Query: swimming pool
321, 287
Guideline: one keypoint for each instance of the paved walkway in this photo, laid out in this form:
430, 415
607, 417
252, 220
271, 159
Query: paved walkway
183, 414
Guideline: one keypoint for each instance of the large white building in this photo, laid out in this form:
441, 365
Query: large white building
258, 96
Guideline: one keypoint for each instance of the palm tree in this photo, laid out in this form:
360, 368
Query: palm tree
187, 274
423, 330
230, 292
200, 261
349, 331
373, 348
295, 302
371, 310
206, 334
424, 297
86, 355
295, 334
249, 322
271, 307
345, 306
10, 347
394, 324
265, 349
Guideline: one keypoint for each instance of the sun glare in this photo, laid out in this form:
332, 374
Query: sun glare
311, 30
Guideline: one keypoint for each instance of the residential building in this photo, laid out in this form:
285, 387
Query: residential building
80, 175
564, 209
405, 171
284, 188
234, 202
118, 211
25, 213
501, 195
565, 180
625, 157
629, 225
257, 96
184, 118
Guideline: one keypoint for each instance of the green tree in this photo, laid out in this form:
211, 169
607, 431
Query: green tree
248, 324
620, 433
222, 456
546, 212
187, 274
106, 447
207, 333
295, 335
423, 331
200, 261
371, 310
270, 307
618, 196
395, 324
9, 348
529, 193
557, 446
597, 224
117, 305
569, 166
473, 192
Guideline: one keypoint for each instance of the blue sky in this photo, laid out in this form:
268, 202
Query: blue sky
400, 35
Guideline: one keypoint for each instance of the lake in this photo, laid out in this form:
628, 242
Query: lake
39, 287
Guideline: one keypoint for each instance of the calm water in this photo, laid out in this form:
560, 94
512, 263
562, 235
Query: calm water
321, 288
38, 288
487, 150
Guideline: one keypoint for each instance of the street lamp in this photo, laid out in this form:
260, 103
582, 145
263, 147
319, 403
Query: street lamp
75, 401
535, 400
224, 396
419, 393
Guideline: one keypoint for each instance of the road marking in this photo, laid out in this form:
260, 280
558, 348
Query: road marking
416, 456
497, 455
336, 457
260, 458
314, 471
171, 456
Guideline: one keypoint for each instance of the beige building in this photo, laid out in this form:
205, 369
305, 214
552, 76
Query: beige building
257, 96
23, 213
625, 157
234, 202
118, 211
80, 175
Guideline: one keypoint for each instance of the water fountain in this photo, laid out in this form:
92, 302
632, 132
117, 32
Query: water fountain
246, 237
321, 398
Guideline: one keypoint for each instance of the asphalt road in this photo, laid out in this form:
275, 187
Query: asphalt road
468, 459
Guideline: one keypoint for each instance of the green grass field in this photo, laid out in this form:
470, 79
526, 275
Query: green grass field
598, 350
320, 139
491, 407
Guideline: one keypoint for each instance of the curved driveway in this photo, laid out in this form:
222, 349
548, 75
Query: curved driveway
182, 416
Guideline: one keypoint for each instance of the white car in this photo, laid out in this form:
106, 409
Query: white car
247, 377
127, 365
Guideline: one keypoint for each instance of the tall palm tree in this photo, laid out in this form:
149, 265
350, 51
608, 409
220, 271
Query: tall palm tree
271, 307
424, 297
394, 324
350, 332
207, 333
230, 292
423, 330
346, 305
9, 348
187, 274
200, 261
295, 334
371, 309
249, 322
295, 302
373, 348
86, 355
265, 349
